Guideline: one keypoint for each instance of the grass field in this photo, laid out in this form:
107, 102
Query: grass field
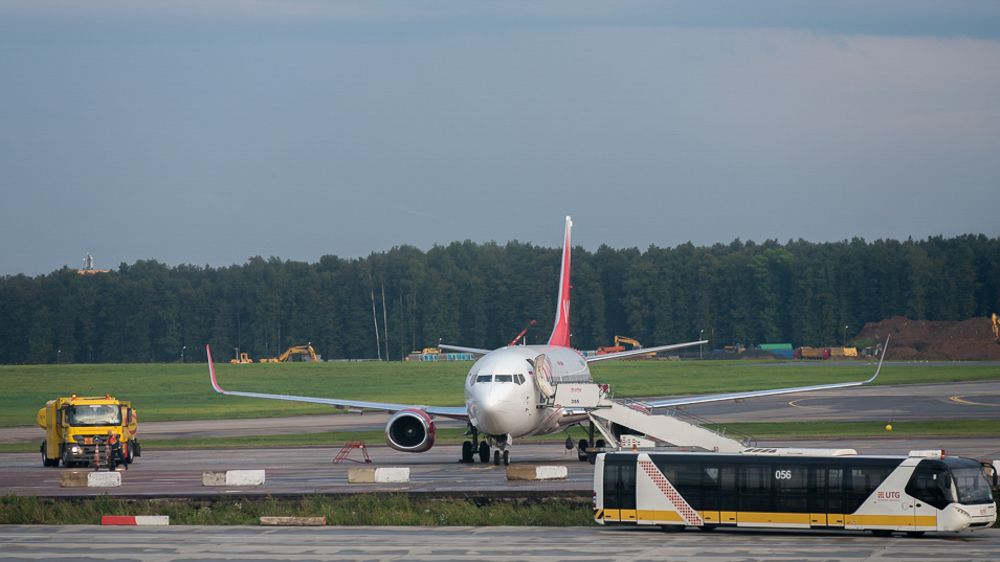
163, 392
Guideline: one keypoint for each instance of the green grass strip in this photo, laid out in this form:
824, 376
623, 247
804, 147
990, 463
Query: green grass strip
165, 392
359, 509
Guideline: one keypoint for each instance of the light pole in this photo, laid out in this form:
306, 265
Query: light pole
845, 335
701, 346
183, 347
58, 356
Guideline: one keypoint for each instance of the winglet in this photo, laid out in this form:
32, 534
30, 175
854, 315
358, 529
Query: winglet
879, 368
211, 371
560, 331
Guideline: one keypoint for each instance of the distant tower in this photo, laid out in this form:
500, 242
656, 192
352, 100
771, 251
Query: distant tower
88, 266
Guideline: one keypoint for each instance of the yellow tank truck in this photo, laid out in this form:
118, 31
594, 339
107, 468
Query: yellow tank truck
78, 430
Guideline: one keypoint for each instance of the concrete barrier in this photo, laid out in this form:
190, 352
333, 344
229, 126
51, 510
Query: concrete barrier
385, 475
521, 472
80, 479
293, 521
135, 520
233, 478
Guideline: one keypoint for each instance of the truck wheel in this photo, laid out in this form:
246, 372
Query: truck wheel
129, 453
45, 460
137, 447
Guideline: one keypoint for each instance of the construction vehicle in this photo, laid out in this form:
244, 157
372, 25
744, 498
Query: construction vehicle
996, 328
619, 340
307, 351
86, 431
243, 359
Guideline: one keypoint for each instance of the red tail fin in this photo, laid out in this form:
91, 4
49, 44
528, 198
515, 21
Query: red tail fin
560, 331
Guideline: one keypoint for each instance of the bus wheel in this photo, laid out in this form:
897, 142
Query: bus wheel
707, 527
671, 528
914, 534
881, 533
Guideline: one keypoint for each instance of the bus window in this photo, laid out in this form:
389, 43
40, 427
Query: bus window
835, 490
931, 484
728, 496
862, 481
972, 486
790, 488
688, 482
755, 488
710, 488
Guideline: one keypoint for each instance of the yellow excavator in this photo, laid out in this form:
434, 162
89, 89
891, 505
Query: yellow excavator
306, 351
619, 340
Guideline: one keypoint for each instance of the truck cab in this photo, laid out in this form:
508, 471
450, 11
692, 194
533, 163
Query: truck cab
84, 431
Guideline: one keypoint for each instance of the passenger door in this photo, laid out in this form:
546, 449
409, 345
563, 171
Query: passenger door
619, 492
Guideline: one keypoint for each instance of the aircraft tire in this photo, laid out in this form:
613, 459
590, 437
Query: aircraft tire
484, 452
467, 451
581, 450
506, 458
496, 457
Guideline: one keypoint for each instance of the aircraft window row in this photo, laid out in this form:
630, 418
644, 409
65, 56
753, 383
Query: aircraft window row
519, 379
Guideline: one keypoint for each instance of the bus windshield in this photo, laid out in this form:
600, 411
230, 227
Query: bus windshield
94, 414
972, 486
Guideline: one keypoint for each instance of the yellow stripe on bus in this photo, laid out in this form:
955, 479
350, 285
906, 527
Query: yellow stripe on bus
768, 517
774, 518
892, 520
660, 515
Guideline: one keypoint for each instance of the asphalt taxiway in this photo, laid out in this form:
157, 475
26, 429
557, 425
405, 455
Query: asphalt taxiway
308, 470
535, 544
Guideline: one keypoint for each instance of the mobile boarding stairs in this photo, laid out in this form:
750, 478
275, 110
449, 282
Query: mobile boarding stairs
623, 423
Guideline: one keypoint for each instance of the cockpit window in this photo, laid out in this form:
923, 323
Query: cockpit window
519, 379
503, 378
484, 378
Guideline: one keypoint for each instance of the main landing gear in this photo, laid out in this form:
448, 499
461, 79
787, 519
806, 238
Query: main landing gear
583, 453
475, 447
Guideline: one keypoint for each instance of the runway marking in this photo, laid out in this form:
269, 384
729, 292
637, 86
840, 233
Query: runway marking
959, 400
794, 405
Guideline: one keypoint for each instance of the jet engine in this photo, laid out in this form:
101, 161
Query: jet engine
410, 431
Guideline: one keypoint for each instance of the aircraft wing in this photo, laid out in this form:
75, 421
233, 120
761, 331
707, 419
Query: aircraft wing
460, 349
642, 351
686, 401
456, 412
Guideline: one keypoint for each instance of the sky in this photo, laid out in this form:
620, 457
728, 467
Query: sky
207, 132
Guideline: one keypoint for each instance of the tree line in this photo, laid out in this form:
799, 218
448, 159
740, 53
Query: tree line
482, 295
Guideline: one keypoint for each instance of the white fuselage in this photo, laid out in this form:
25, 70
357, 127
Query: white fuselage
501, 395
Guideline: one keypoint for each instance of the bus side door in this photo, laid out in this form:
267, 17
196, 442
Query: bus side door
619, 492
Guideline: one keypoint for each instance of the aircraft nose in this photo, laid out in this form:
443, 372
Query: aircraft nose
489, 406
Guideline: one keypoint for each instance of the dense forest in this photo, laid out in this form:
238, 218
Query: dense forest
481, 295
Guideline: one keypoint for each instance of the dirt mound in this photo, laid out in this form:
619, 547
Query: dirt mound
942, 340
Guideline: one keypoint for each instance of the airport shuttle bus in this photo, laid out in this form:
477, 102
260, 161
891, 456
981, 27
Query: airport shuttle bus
793, 488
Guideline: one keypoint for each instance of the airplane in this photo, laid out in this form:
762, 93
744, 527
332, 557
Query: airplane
508, 390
